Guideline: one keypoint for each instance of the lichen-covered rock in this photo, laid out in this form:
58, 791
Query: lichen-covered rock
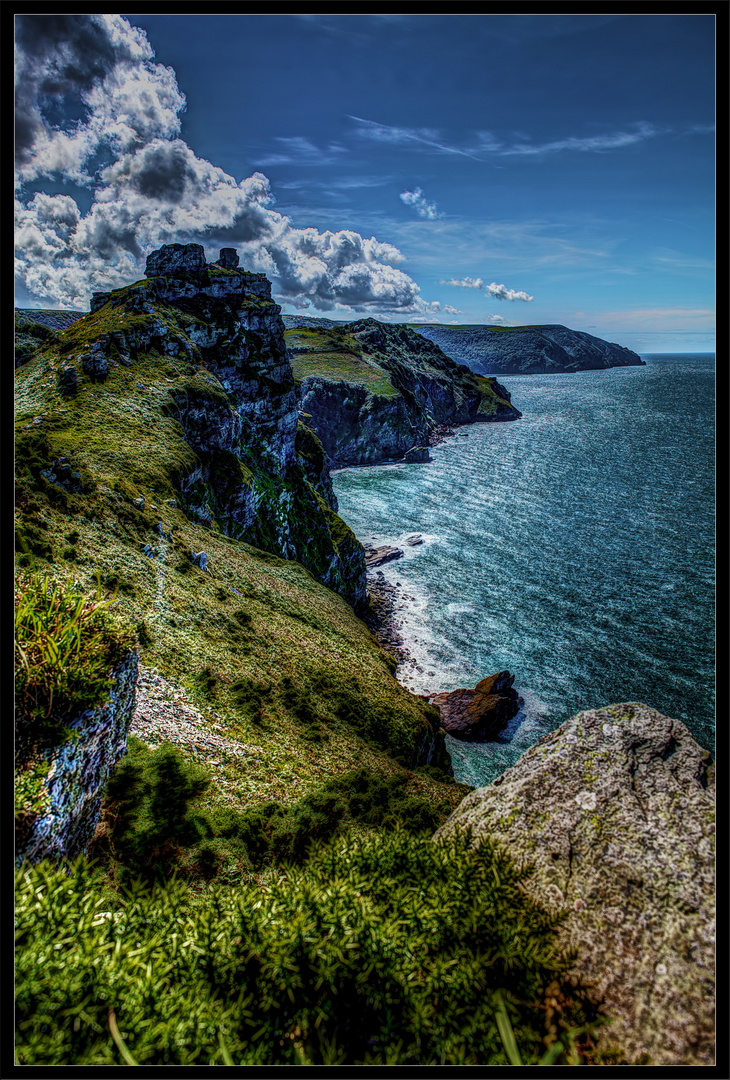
480, 714
615, 810
62, 823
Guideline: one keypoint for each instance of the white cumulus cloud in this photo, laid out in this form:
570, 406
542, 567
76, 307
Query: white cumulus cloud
499, 292
420, 204
149, 188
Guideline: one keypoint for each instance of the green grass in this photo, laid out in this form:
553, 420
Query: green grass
381, 949
66, 644
333, 355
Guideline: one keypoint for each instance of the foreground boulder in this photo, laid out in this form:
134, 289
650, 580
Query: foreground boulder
615, 810
480, 714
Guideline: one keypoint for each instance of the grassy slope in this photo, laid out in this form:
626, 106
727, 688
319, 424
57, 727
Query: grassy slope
336, 355
333, 354
282, 660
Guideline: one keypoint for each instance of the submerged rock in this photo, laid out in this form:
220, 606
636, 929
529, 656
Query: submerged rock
615, 810
479, 715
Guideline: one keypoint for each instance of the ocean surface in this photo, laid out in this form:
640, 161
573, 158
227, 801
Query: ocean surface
573, 547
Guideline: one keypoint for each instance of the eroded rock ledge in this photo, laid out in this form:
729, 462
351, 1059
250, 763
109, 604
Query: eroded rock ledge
615, 810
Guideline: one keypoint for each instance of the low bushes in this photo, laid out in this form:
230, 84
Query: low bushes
391, 949
154, 825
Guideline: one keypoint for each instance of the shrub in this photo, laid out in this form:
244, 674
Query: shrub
390, 950
148, 800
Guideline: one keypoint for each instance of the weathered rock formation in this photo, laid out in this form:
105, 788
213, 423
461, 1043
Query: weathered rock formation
65, 813
374, 392
527, 350
480, 714
261, 474
615, 810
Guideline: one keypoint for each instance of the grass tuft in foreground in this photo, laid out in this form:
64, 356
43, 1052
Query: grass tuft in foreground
66, 644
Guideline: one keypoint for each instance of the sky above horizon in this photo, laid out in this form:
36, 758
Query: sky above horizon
498, 169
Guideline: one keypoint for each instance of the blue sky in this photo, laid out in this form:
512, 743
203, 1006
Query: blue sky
499, 169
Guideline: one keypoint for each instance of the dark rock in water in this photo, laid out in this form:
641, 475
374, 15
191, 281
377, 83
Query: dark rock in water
479, 715
615, 812
173, 259
414, 540
378, 556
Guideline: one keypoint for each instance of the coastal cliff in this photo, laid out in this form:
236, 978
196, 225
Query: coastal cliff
162, 463
527, 350
159, 454
376, 392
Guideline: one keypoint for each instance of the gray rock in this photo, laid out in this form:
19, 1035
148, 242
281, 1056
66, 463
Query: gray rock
228, 259
78, 771
67, 379
201, 559
615, 810
95, 365
172, 259
378, 556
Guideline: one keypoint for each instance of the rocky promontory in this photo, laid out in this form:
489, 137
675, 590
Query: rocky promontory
527, 350
377, 392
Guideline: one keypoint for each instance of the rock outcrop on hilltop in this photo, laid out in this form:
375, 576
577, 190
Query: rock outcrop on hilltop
615, 810
527, 350
260, 474
377, 392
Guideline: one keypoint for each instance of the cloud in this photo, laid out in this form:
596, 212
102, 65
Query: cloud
418, 201
370, 129
499, 292
584, 144
487, 145
465, 283
96, 108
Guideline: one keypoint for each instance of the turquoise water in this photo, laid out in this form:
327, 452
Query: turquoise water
574, 547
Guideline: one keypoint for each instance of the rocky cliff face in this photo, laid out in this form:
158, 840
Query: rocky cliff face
615, 810
64, 814
256, 473
374, 392
528, 350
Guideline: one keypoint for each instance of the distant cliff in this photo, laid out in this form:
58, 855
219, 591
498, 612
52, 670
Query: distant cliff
527, 350
373, 391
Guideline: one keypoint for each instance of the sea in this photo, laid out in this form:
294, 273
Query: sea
574, 547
